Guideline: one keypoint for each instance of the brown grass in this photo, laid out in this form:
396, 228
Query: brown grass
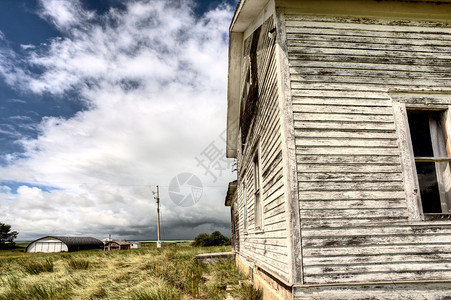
147, 273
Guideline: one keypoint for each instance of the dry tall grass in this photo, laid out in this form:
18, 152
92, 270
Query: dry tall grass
147, 273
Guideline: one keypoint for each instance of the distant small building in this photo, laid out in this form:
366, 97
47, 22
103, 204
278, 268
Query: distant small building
116, 245
135, 245
51, 244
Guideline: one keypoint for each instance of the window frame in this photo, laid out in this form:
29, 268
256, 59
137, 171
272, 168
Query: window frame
437, 133
410, 177
258, 188
244, 195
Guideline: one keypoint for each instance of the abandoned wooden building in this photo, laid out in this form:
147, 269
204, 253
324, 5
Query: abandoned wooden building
338, 116
49, 244
116, 245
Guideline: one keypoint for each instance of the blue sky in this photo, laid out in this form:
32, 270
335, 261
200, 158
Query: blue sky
102, 100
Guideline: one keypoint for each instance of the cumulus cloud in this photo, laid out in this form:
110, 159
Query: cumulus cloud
153, 80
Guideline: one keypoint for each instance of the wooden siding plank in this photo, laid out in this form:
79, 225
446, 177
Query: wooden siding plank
330, 253
423, 274
344, 177
351, 159
356, 204
349, 102
327, 186
357, 241
295, 16
347, 109
351, 213
345, 151
299, 116
366, 66
377, 259
359, 72
346, 142
354, 168
349, 223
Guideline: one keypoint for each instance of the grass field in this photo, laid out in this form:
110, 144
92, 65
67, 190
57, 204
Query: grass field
138, 274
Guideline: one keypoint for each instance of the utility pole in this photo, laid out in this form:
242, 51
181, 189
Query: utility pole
158, 218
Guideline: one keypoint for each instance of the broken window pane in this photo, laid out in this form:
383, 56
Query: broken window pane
420, 133
427, 178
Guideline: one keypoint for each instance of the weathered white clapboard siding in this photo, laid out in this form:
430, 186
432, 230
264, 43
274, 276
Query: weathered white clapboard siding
353, 210
268, 248
387, 290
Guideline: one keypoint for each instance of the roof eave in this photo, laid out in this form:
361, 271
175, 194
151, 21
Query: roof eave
231, 193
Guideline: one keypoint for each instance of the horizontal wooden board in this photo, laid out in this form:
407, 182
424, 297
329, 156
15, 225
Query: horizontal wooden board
370, 221
354, 168
340, 92
408, 33
387, 291
349, 102
350, 50
368, 66
303, 41
352, 213
331, 252
425, 274
296, 59
351, 195
348, 159
295, 15
378, 28
346, 142
345, 109
328, 186
300, 80
359, 72
358, 241
372, 231
376, 259
299, 116
354, 204
395, 267
354, 150
344, 176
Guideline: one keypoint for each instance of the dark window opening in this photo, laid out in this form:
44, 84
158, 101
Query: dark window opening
432, 161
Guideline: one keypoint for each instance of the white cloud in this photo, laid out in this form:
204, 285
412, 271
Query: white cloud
27, 46
154, 79
64, 14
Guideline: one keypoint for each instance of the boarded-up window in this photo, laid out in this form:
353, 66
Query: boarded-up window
432, 162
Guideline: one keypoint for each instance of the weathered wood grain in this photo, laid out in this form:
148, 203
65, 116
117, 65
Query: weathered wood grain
389, 290
269, 246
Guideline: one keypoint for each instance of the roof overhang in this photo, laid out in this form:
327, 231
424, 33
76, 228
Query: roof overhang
231, 193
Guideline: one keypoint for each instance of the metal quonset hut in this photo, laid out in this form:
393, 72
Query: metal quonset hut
50, 244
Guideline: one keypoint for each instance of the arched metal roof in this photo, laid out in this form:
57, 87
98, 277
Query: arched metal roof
75, 243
